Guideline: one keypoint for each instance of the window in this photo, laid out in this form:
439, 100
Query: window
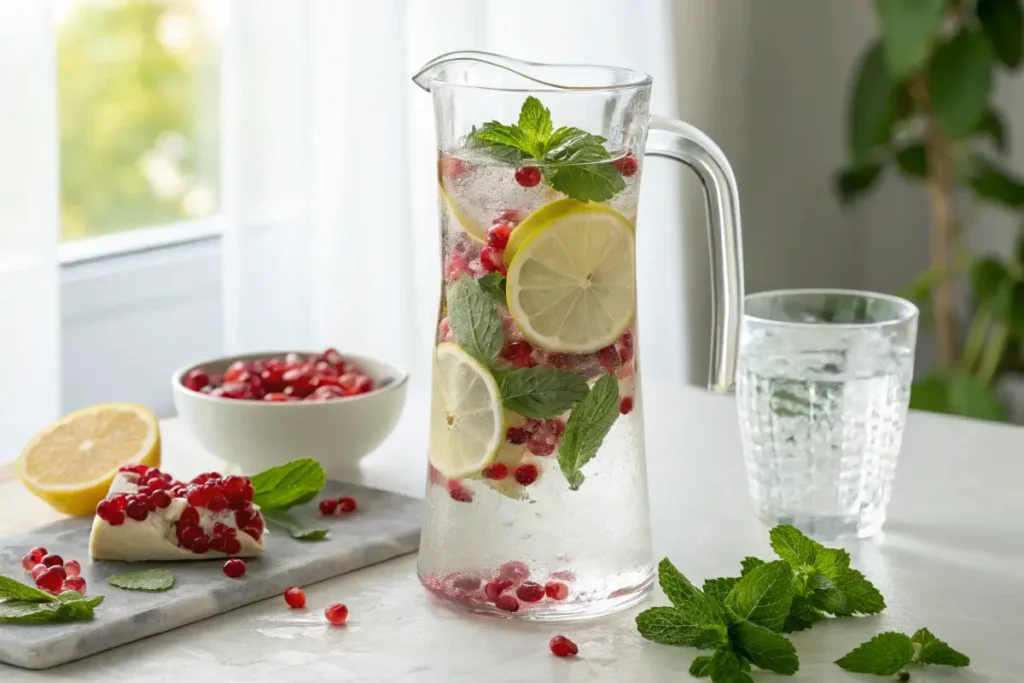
138, 103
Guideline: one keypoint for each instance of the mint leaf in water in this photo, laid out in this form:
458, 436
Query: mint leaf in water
505, 143
296, 528
763, 596
290, 484
934, 651
883, 655
541, 393
493, 285
474, 320
15, 590
148, 580
588, 424
584, 172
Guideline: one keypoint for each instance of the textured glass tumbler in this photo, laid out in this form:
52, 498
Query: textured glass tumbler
822, 388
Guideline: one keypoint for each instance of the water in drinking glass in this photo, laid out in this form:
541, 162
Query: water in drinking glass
822, 391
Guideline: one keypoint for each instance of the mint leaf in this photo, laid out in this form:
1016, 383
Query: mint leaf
565, 139
701, 667
15, 590
802, 615
149, 580
69, 606
861, 595
718, 589
883, 655
588, 424
726, 667
750, 563
934, 651
290, 484
833, 601
765, 648
535, 121
505, 143
586, 175
792, 546
75, 606
676, 587
295, 527
832, 562
676, 626
493, 285
541, 393
763, 596
476, 324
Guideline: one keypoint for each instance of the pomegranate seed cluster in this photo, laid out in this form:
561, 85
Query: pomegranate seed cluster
227, 497
343, 505
51, 573
510, 590
318, 377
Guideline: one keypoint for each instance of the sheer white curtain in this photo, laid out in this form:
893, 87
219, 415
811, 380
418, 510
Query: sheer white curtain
355, 265
29, 307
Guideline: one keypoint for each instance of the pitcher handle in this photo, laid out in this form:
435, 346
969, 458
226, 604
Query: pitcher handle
674, 139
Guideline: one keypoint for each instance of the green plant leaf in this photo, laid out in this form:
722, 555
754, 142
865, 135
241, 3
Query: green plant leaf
913, 160
853, 183
749, 564
765, 648
935, 651
993, 125
493, 285
535, 120
290, 484
987, 277
474, 320
995, 183
763, 596
1003, 23
588, 424
674, 584
296, 528
883, 655
15, 590
832, 562
870, 116
909, 28
792, 546
694, 624
718, 589
727, 667
701, 667
960, 79
802, 615
149, 580
956, 393
541, 393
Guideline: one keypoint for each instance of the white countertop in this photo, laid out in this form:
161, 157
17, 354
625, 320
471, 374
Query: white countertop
951, 558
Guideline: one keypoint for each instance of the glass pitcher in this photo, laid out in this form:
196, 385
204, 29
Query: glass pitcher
537, 496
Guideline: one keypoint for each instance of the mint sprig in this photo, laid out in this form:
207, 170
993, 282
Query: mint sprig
588, 424
890, 652
575, 162
296, 528
147, 580
15, 590
21, 604
287, 485
474, 320
541, 393
493, 285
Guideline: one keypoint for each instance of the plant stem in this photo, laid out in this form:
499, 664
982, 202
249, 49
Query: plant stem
975, 341
993, 353
939, 196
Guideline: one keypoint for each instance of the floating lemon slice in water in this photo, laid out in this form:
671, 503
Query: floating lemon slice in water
467, 426
572, 277
71, 462
475, 229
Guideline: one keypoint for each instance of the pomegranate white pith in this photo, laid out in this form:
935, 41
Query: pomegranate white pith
157, 537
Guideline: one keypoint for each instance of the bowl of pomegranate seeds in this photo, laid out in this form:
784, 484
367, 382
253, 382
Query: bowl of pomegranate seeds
261, 410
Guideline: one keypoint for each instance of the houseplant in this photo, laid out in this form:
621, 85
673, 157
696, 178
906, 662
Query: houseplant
920, 104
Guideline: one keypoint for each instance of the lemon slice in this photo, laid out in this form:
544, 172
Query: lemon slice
71, 462
572, 281
467, 426
472, 227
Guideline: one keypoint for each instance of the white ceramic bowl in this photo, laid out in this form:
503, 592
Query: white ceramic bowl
257, 435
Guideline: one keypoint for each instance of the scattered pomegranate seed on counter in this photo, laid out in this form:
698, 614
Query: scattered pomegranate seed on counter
562, 647
328, 506
234, 568
75, 583
37, 570
337, 613
347, 504
556, 590
73, 568
50, 581
52, 561
295, 597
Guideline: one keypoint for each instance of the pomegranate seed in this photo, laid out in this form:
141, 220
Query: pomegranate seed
75, 583
295, 597
556, 590
120, 501
508, 216
458, 265
496, 586
189, 517
497, 236
517, 436
491, 261
276, 397
38, 553
530, 592
609, 359
115, 518
347, 504
196, 379
50, 581
467, 583
514, 571
526, 474
459, 493
200, 545
28, 562
507, 603
52, 560
217, 503
161, 499
197, 496
496, 471
337, 613
232, 546
189, 535
234, 371
562, 647
135, 469
328, 506
528, 176
38, 569
59, 569
627, 165
538, 447
519, 353
626, 347
137, 510
222, 529
626, 405
234, 568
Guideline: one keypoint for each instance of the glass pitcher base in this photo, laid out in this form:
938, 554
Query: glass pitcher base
545, 609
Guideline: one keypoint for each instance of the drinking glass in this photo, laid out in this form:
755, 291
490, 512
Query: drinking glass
822, 387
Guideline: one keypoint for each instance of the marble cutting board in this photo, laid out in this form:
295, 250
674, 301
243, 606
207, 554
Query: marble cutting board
386, 525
